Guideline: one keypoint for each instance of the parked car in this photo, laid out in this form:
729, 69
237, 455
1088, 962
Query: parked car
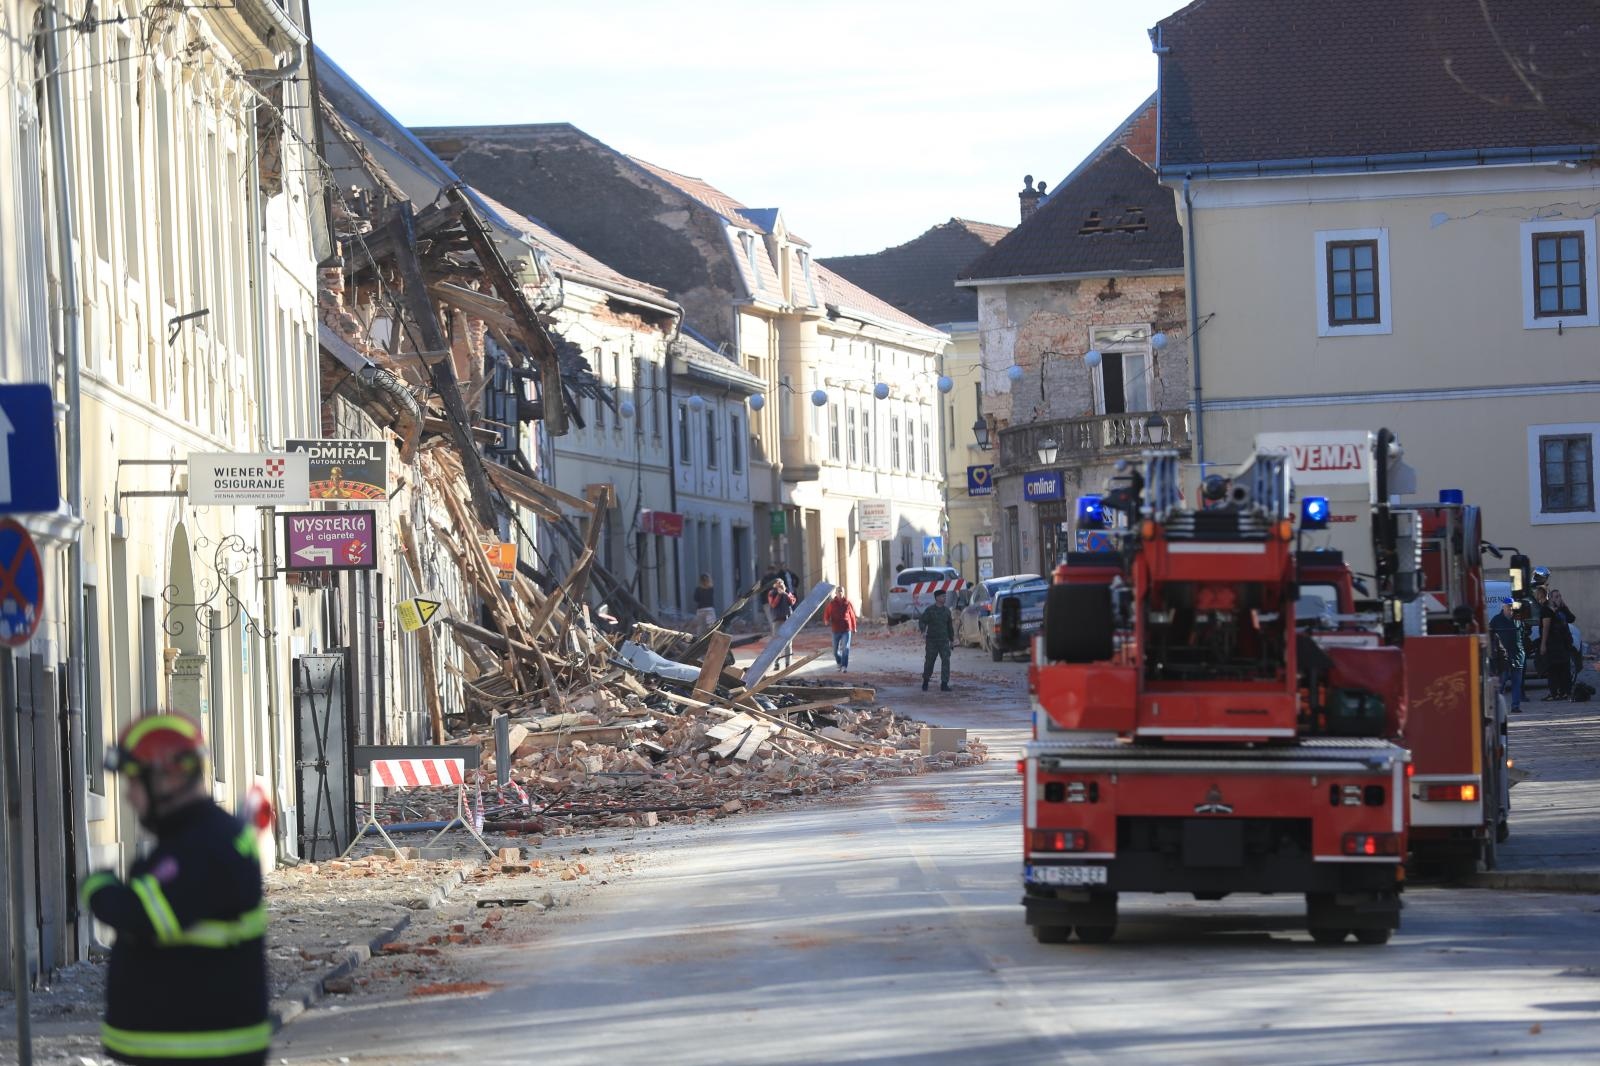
978, 604
1498, 590
1030, 610
914, 587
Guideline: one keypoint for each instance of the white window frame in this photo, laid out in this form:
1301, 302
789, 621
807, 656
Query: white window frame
1536, 514
1385, 323
1102, 340
1586, 226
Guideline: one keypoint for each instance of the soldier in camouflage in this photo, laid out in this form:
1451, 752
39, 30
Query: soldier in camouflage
939, 631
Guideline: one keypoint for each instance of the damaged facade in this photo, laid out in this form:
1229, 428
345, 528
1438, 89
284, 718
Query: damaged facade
1082, 317
751, 292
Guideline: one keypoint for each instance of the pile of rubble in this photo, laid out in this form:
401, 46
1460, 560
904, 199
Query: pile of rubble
648, 735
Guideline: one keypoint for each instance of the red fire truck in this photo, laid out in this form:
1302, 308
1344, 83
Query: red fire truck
1190, 736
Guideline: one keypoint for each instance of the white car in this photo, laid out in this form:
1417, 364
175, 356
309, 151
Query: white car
914, 587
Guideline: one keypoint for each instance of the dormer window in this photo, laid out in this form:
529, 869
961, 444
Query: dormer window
748, 239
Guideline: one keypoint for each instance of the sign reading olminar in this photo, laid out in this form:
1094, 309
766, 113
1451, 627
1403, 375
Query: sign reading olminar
249, 479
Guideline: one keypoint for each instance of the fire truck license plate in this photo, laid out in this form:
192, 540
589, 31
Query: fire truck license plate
1066, 875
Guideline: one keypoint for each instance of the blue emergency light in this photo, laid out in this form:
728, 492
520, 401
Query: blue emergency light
1314, 512
1452, 496
1091, 513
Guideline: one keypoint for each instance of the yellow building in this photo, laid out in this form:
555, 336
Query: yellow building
1424, 261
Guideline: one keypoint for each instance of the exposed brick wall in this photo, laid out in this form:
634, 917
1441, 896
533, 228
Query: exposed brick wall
1045, 329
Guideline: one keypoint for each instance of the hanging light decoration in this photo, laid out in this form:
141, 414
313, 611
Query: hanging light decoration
756, 402
697, 403
1158, 341
881, 390
946, 383
626, 409
819, 398
1092, 357
1014, 372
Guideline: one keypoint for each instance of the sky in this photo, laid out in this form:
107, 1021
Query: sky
867, 122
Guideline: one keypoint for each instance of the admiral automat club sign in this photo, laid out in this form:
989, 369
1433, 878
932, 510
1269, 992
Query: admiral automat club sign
249, 479
346, 469
330, 540
1048, 485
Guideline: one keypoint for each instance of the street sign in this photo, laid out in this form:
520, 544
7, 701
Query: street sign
249, 479
1094, 540
502, 555
778, 523
932, 545
875, 520
414, 614
330, 540
980, 480
28, 480
985, 569
21, 585
346, 469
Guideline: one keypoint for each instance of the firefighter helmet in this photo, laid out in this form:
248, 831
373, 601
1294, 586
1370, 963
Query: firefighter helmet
156, 742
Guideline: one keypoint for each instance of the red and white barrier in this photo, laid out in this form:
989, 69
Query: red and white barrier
417, 773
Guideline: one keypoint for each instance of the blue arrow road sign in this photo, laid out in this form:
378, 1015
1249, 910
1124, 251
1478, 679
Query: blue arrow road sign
27, 450
21, 585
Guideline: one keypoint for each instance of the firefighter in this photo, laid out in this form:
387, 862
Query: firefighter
187, 981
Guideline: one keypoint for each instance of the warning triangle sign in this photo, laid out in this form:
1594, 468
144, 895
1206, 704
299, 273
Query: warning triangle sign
414, 614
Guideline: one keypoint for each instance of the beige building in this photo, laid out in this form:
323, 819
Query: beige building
159, 271
1426, 262
918, 278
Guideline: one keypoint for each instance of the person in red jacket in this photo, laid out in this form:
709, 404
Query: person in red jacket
841, 618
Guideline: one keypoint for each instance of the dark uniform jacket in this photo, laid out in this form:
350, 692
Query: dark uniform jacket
187, 979
937, 625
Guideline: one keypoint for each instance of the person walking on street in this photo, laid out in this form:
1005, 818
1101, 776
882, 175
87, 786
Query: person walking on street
705, 605
1507, 651
840, 615
1555, 644
938, 633
187, 979
780, 605
769, 577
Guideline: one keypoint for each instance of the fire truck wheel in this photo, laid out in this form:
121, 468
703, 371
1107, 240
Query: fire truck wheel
1051, 934
1373, 936
1096, 934
1324, 935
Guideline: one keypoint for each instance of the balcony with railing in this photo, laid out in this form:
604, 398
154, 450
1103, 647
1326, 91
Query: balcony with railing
1087, 440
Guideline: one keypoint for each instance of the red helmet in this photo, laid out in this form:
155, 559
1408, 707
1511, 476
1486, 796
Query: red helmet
158, 741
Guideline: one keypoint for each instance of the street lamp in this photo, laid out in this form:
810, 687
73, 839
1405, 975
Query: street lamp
1155, 428
1047, 451
980, 433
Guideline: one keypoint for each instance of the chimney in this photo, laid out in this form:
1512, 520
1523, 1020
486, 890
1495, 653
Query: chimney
1030, 196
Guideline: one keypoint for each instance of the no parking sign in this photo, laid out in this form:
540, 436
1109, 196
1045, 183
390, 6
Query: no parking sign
21, 585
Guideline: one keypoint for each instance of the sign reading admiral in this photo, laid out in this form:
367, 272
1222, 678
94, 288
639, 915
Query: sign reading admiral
249, 479
346, 469
1049, 485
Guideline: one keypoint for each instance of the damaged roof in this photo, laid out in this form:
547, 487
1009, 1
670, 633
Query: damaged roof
1113, 217
918, 277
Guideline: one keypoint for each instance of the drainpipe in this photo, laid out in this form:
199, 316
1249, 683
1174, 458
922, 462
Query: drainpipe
72, 352
269, 591
1192, 299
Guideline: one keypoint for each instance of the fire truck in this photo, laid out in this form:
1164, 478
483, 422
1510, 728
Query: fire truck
1456, 718
1190, 735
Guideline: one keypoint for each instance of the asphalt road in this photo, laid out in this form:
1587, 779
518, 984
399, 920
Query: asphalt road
884, 926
